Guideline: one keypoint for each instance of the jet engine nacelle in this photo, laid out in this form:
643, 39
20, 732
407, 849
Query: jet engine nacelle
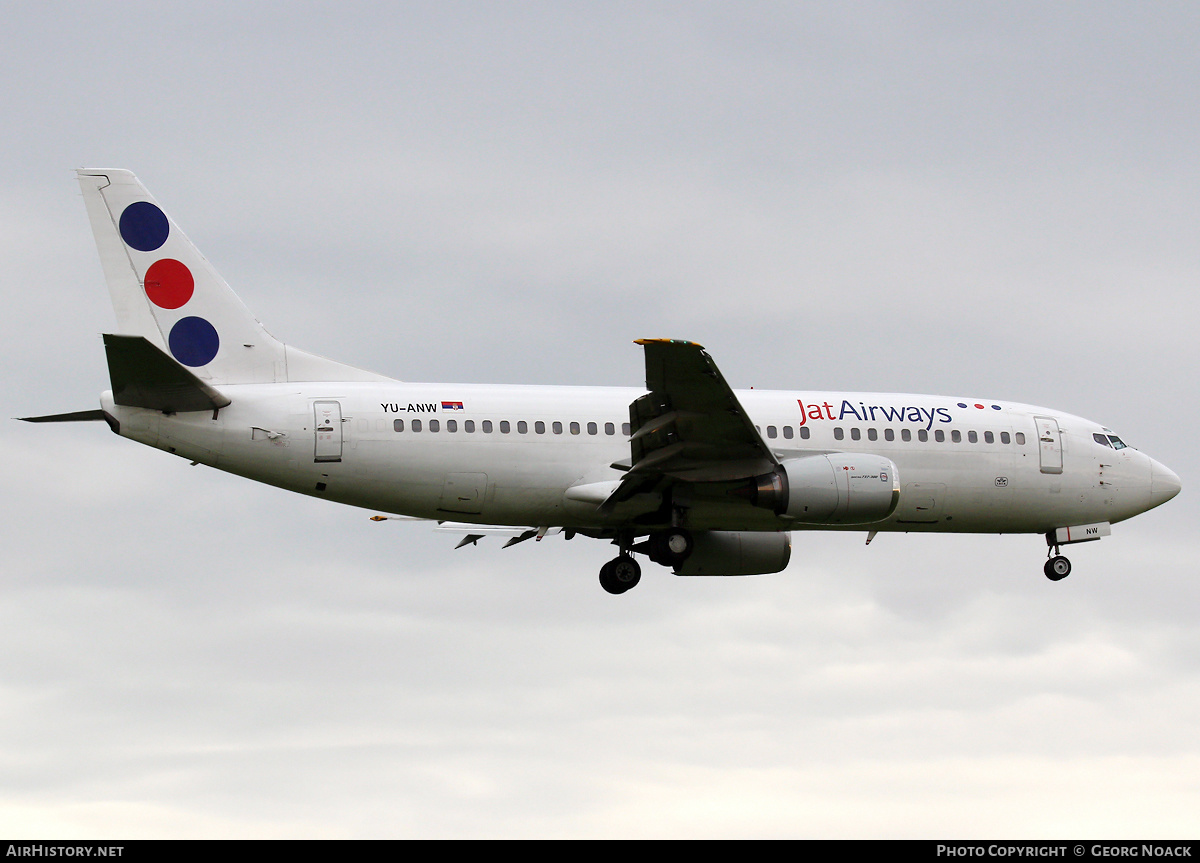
736, 552
838, 488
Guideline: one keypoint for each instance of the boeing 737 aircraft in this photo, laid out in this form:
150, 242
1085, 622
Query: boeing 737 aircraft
694, 475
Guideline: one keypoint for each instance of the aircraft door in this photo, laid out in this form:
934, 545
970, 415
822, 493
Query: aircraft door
1049, 444
328, 429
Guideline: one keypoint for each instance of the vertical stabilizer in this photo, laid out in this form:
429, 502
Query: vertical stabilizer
164, 290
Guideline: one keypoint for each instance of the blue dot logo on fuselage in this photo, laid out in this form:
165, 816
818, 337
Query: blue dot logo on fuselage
144, 226
193, 341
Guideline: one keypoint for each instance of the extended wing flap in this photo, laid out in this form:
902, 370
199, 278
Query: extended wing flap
472, 533
690, 425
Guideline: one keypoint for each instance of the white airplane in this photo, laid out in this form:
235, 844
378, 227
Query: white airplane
696, 476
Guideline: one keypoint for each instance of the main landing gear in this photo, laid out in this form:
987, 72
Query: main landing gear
620, 574
669, 547
665, 547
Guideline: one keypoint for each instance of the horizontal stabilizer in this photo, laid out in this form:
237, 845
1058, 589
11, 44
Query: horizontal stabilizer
144, 377
74, 417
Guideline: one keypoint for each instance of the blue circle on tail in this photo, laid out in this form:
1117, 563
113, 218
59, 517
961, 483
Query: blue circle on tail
193, 341
144, 226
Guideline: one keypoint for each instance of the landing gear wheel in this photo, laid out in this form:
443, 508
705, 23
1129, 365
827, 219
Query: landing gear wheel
620, 574
671, 547
606, 579
1057, 568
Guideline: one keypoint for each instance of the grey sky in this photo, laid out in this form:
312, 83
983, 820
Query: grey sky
992, 200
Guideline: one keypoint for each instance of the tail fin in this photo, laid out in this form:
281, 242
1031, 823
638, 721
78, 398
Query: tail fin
164, 290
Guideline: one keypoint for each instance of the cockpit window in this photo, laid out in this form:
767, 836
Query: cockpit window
1117, 443
1101, 439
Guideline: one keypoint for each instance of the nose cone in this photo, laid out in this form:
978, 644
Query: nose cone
1164, 483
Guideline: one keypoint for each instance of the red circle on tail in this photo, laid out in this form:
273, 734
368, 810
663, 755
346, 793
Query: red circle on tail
169, 284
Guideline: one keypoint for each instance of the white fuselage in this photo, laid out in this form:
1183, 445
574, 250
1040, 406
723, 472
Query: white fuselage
507, 455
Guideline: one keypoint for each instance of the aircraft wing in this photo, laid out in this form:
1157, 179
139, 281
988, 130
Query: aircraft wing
472, 533
690, 426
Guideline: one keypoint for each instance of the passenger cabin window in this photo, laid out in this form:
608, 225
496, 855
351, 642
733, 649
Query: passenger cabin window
435, 425
505, 427
398, 425
956, 436
906, 435
609, 428
522, 427
451, 425
972, 437
1020, 438
787, 432
557, 427
889, 434
923, 435
805, 433
855, 434
872, 434
486, 425
626, 430
1005, 438
939, 436
469, 426
539, 427
772, 432
988, 437
416, 425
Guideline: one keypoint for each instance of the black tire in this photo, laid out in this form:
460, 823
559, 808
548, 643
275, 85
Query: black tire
607, 581
1057, 568
620, 574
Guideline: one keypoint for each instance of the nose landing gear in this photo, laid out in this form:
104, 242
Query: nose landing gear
1057, 568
